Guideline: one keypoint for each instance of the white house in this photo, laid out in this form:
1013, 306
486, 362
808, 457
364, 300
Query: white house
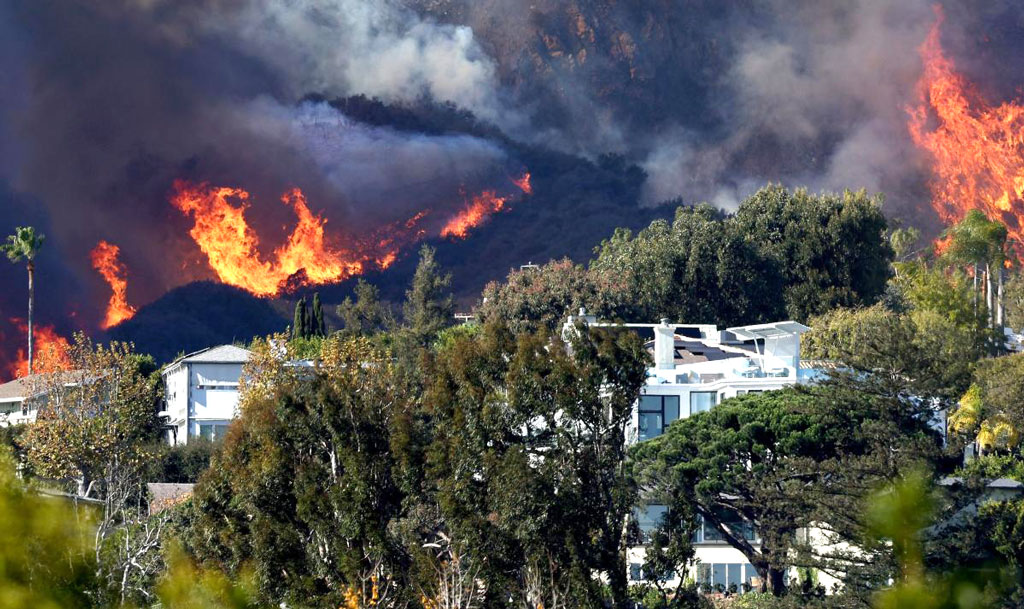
202, 393
696, 366
15, 406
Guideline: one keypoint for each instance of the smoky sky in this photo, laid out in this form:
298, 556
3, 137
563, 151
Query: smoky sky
104, 103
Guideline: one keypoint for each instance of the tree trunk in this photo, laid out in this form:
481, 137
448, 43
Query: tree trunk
31, 301
974, 278
1000, 305
776, 581
989, 300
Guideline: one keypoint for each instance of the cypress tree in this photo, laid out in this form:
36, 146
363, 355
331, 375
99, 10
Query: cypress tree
319, 326
300, 321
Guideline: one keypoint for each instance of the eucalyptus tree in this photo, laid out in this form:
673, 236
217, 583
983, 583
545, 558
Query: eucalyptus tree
25, 244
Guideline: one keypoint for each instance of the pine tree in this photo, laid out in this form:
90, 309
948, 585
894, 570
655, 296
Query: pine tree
429, 305
319, 326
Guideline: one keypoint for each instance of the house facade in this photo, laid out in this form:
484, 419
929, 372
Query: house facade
696, 367
15, 406
201, 393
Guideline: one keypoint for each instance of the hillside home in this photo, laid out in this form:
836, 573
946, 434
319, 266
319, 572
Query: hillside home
696, 367
201, 395
15, 406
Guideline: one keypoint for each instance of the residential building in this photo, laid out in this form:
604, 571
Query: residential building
696, 367
16, 407
201, 393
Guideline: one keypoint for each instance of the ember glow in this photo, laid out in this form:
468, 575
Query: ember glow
977, 149
51, 351
106, 259
232, 248
480, 208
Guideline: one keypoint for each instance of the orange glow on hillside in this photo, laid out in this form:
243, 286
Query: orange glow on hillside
977, 149
105, 259
50, 351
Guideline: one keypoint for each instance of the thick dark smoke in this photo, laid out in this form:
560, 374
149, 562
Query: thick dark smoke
104, 103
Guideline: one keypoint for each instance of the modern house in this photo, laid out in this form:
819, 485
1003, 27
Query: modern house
201, 395
696, 367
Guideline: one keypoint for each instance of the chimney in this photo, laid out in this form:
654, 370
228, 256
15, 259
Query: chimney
664, 345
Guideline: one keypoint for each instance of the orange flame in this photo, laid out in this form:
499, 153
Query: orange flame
232, 248
524, 183
483, 205
977, 149
105, 260
50, 351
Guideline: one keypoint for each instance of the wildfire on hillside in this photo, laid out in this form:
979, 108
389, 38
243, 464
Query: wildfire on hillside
232, 248
977, 149
308, 256
480, 208
50, 351
106, 259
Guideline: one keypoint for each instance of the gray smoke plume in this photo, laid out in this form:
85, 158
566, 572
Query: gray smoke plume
103, 103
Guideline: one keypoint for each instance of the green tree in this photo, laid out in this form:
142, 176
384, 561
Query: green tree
319, 326
300, 320
790, 459
831, 249
991, 411
541, 297
737, 464
24, 244
367, 314
527, 460
305, 488
429, 305
816, 251
921, 350
981, 243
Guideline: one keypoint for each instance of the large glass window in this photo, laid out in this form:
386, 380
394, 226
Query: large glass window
656, 412
707, 532
724, 576
648, 518
212, 431
702, 401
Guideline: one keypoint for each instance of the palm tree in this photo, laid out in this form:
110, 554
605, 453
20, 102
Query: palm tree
24, 244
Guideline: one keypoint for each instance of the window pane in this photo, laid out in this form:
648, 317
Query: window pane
704, 573
634, 571
671, 408
650, 425
702, 401
206, 431
650, 403
735, 576
718, 575
649, 518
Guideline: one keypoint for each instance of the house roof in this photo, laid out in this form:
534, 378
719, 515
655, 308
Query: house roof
18, 389
223, 354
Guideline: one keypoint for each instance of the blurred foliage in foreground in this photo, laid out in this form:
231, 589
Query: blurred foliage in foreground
46, 558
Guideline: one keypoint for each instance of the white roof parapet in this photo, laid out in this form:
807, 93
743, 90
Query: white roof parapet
770, 330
